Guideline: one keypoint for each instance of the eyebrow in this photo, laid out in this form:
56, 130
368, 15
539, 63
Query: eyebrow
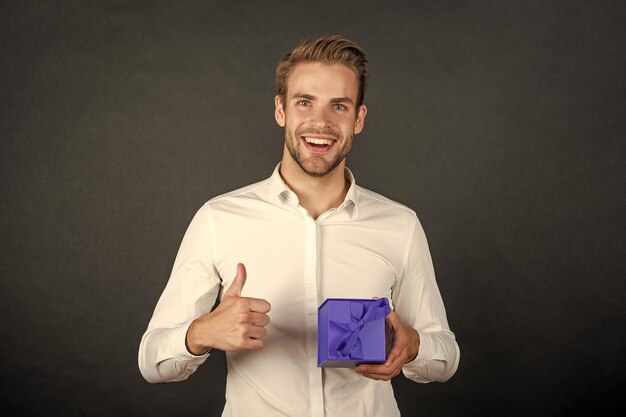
303, 96
299, 96
342, 100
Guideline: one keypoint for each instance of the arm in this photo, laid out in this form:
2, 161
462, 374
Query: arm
190, 292
183, 329
424, 347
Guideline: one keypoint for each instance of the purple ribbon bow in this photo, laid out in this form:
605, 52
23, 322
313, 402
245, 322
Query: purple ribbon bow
349, 344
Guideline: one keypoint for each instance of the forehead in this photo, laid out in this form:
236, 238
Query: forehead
320, 79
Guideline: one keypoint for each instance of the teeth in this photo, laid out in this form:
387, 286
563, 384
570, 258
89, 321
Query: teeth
317, 141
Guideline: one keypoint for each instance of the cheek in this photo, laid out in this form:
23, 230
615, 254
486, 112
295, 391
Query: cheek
296, 122
291, 119
349, 127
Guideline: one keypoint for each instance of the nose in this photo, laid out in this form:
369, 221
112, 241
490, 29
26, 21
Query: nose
320, 117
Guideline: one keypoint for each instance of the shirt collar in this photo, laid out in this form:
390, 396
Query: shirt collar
280, 193
351, 201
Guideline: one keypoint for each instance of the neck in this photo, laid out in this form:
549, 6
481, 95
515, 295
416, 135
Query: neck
316, 194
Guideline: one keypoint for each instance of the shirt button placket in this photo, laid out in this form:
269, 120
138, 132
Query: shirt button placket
310, 283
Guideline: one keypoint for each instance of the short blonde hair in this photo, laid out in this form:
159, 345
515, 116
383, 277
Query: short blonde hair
330, 49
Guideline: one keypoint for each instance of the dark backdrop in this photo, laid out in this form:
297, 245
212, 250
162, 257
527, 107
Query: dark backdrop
499, 122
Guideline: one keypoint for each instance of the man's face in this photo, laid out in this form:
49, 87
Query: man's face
319, 116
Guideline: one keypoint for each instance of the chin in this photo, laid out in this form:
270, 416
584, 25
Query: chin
318, 171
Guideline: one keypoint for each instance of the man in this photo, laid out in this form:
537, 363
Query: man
305, 234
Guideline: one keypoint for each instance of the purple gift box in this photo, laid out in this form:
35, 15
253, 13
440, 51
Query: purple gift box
352, 331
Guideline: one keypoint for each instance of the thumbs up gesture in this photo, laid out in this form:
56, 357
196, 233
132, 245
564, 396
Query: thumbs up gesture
238, 323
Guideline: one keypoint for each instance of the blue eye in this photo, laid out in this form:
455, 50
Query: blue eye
340, 107
303, 103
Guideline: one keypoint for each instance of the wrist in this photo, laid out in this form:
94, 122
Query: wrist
192, 344
414, 344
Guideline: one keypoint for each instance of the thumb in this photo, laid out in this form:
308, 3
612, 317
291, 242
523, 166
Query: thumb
237, 285
392, 320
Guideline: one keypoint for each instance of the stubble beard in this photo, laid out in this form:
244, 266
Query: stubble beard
293, 146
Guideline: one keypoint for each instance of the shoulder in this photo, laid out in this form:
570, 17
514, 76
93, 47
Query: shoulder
257, 191
373, 203
238, 201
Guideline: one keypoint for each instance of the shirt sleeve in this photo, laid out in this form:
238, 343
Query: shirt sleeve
191, 291
418, 303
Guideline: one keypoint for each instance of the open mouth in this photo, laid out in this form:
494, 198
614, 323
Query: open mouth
318, 144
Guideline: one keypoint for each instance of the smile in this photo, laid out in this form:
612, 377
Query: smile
318, 141
318, 144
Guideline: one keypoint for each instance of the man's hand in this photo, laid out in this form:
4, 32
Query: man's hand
238, 323
405, 347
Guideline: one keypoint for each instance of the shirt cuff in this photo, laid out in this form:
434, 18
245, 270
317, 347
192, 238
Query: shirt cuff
178, 346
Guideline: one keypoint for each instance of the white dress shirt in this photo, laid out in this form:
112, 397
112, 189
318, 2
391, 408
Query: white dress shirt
368, 246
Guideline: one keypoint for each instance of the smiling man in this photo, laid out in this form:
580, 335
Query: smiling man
305, 234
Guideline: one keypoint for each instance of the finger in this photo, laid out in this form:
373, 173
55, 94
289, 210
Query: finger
258, 305
394, 361
393, 320
379, 372
371, 368
255, 332
364, 368
254, 344
392, 356
398, 337
379, 376
237, 285
260, 320
385, 376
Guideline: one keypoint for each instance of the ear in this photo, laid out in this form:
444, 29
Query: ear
279, 111
360, 119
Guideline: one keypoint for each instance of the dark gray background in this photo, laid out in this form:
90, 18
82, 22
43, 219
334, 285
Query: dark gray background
499, 122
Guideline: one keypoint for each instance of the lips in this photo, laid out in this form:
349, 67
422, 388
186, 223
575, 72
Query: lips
318, 141
318, 144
